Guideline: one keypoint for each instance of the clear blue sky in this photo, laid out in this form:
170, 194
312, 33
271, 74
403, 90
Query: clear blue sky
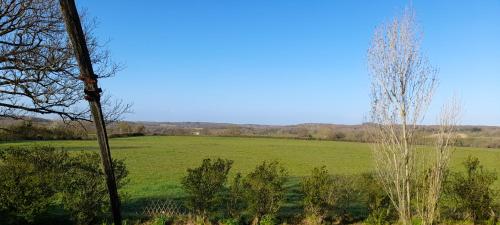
288, 61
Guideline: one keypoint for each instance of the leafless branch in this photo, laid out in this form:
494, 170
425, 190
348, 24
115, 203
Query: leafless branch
402, 86
38, 70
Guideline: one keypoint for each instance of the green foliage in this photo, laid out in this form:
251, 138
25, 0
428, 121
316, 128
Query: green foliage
312, 219
493, 220
345, 195
85, 194
470, 194
346, 191
318, 192
161, 220
264, 188
205, 185
235, 199
28, 181
29, 131
34, 179
267, 219
151, 157
376, 201
231, 221
378, 217
196, 220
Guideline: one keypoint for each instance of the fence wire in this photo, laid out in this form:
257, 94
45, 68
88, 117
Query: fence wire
168, 208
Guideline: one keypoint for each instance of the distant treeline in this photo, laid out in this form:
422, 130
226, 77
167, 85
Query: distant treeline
469, 136
28, 130
58, 130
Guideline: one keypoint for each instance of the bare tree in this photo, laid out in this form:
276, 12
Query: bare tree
38, 70
402, 86
434, 167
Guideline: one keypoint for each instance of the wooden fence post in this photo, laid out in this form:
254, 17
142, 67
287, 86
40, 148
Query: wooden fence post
93, 96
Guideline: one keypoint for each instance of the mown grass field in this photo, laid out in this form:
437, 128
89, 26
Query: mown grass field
157, 163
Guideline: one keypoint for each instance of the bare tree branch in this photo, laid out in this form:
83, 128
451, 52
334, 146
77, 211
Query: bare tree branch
434, 167
402, 86
38, 70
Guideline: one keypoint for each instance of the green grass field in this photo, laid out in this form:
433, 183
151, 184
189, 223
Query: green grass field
157, 163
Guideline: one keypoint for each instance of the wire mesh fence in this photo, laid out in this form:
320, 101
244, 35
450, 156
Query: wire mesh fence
168, 208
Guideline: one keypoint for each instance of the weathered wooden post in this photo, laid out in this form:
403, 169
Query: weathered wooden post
93, 96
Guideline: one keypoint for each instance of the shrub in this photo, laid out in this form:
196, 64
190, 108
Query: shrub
264, 189
126, 135
205, 185
84, 190
339, 136
267, 220
32, 179
28, 179
347, 194
28, 131
193, 220
312, 219
377, 202
161, 220
231, 221
235, 201
318, 192
378, 217
470, 194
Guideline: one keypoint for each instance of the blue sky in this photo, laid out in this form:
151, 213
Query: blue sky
288, 61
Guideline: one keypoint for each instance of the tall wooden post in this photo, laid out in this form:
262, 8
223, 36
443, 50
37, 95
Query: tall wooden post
92, 92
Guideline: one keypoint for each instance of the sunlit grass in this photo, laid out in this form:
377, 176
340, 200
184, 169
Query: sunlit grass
157, 163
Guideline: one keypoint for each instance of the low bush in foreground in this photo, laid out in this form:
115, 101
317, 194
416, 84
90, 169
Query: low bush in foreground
264, 189
469, 195
338, 199
318, 193
259, 194
34, 180
205, 185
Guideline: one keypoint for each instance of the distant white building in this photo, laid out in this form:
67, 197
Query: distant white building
196, 131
